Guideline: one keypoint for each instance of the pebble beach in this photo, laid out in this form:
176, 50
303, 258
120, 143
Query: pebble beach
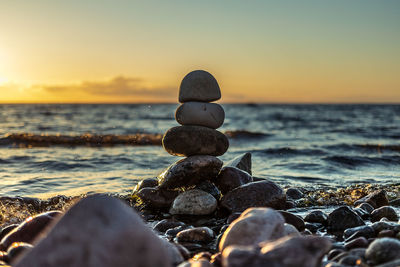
204, 210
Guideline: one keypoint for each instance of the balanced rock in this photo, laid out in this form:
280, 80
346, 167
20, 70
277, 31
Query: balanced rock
242, 162
254, 225
194, 140
199, 85
98, 231
194, 202
190, 171
199, 113
230, 177
256, 194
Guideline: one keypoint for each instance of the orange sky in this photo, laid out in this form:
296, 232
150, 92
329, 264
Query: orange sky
135, 51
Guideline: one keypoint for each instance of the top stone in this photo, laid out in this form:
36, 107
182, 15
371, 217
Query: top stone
199, 85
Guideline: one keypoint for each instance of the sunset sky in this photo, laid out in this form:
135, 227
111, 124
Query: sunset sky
259, 51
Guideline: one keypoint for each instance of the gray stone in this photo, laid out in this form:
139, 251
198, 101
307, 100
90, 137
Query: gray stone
255, 225
379, 226
305, 251
382, 250
384, 212
199, 113
199, 85
195, 235
256, 194
231, 177
174, 254
294, 193
190, 171
194, 202
316, 216
98, 231
293, 219
363, 230
242, 162
194, 140
289, 229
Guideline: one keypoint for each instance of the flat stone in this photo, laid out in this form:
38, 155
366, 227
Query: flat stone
255, 225
199, 113
199, 85
383, 250
194, 202
299, 251
256, 194
342, 218
194, 140
375, 199
190, 171
98, 231
156, 197
194, 235
29, 229
231, 177
242, 162
387, 212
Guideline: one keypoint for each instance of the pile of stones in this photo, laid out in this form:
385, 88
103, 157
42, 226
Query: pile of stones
199, 184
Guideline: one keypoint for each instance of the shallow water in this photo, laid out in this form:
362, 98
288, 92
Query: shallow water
324, 145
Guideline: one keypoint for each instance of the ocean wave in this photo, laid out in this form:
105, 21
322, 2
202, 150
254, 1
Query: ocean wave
355, 161
288, 151
243, 134
364, 147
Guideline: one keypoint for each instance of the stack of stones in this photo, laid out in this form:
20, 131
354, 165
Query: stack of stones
194, 185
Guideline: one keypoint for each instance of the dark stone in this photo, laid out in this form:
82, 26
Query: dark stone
200, 86
379, 226
294, 193
230, 177
362, 213
334, 252
364, 230
256, 194
16, 249
384, 212
209, 187
375, 199
342, 218
386, 233
3, 256
233, 217
350, 260
148, 182
395, 202
28, 230
174, 231
242, 162
313, 227
216, 259
194, 235
156, 197
202, 255
316, 216
164, 225
359, 242
367, 207
383, 250
294, 220
4, 231
194, 140
190, 171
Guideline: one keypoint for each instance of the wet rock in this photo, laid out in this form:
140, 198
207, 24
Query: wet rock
362, 213
199, 113
4, 231
364, 230
194, 202
294, 193
375, 199
174, 253
28, 230
194, 140
198, 263
210, 188
231, 177
293, 219
242, 162
163, 225
199, 85
148, 182
313, 227
190, 171
367, 207
202, 255
98, 224
395, 202
16, 249
395, 263
174, 231
334, 252
285, 252
359, 242
379, 226
157, 197
384, 212
256, 194
383, 250
194, 235
386, 233
350, 260
3, 256
316, 216
290, 230
342, 218
255, 225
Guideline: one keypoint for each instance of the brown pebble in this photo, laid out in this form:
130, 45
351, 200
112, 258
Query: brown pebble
359, 242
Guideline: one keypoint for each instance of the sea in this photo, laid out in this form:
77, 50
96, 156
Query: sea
73, 149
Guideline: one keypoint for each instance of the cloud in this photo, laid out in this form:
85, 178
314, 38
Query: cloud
119, 86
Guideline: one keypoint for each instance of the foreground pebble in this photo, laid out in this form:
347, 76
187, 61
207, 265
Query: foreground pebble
97, 225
